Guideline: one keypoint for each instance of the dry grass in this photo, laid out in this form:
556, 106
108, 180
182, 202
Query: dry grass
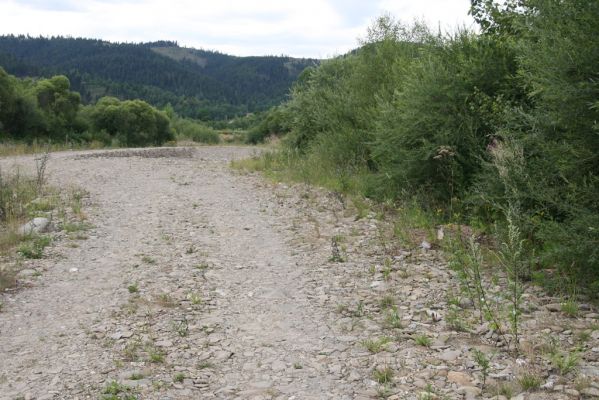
17, 149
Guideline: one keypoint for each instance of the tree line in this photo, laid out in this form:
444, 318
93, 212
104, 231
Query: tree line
197, 83
47, 110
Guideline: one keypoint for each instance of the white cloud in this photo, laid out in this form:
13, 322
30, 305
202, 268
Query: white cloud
315, 28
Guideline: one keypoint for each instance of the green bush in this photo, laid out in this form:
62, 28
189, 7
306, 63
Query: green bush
131, 122
195, 131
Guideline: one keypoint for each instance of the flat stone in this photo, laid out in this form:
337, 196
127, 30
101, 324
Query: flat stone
450, 355
163, 343
26, 273
554, 307
461, 378
222, 355
591, 392
278, 366
470, 392
261, 384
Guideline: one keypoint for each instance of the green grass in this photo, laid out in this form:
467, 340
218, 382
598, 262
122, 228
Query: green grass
570, 308
115, 391
565, 361
393, 319
179, 377
423, 340
33, 247
529, 381
133, 288
148, 260
376, 345
72, 227
383, 375
156, 357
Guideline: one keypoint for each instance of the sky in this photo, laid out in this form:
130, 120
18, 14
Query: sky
306, 28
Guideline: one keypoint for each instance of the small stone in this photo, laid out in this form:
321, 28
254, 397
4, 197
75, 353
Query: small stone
164, 343
425, 245
553, 307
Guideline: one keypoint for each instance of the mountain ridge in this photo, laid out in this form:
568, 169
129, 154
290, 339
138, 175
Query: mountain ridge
198, 83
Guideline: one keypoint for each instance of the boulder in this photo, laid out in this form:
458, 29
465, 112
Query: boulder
35, 226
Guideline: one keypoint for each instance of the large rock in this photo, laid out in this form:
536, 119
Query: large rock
35, 226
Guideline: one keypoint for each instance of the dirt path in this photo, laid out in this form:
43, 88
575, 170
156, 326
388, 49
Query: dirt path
225, 303
199, 282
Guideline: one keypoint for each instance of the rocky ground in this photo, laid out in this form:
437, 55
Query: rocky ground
196, 281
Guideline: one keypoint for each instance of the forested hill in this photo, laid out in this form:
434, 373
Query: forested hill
197, 83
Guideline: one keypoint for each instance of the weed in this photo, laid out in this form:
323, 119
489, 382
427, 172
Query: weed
165, 300
387, 301
582, 382
156, 357
393, 319
383, 375
383, 391
455, 321
72, 227
205, 365
376, 345
570, 308
181, 327
179, 377
583, 337
335, 251
342, 308
529, 381
361, 206
387, 269
34, 248
484, 363
133, 288
194, 298
359, 309
130, 352
504, 389
148, 259
116, 391
297, 365
136, 376
565, 362
41, 162
423, 340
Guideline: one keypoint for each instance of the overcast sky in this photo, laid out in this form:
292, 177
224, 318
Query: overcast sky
306, 28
